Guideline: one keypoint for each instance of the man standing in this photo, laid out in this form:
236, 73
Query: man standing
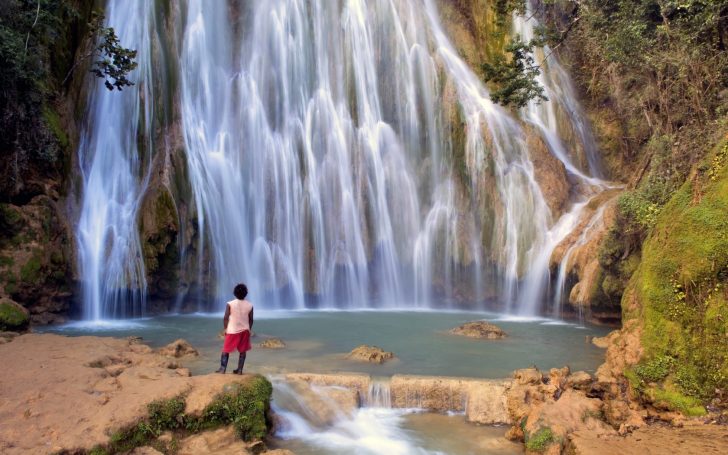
238, 321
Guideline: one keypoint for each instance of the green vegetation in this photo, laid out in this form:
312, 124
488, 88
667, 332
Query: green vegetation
30, 272
539, 440
514, 78
12, 318
243, 405
113, 61
681, 288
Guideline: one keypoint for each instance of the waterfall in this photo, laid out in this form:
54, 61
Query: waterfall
379, 394
339, 154
114, 158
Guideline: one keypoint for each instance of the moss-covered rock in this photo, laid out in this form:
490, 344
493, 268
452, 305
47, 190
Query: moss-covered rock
13, 317
243, 405
680, 293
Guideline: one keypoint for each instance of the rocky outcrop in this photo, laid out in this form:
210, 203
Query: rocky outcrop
179, 348
587, 292
36, 256
371, 354
111, 385
480, 330
483, 401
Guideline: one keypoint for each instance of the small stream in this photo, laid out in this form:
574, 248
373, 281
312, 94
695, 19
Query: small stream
313, 422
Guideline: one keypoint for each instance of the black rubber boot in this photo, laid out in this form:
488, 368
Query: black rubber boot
241, 364
223, 362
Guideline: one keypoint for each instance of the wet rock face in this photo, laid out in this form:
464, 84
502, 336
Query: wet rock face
36, 259
372, 354
479, 329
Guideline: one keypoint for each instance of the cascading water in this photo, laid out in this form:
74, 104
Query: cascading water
340, 154
113, 154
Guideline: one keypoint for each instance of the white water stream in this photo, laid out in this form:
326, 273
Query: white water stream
340, 154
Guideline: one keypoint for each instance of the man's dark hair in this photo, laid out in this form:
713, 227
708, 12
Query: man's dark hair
240, 291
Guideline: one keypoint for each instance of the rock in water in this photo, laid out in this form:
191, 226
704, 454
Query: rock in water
479, 329
179, 348
272, 343
373, 354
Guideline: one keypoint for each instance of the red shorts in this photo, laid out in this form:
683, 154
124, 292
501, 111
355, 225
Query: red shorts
239, 341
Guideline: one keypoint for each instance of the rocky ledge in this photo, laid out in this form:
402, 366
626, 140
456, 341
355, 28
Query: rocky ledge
122, 395
479, 329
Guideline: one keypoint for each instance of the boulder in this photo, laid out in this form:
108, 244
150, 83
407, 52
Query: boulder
372, 354
272, 343
527, 376
579, 380
178, 348
480, 330
601, 342
13, 316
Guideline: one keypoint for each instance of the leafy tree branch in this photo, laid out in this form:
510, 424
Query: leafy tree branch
113, 62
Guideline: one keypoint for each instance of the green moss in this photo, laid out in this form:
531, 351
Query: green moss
166, 414
30, 272
12, 318
539, 440
670, 398
6, 261
680, 286
53, 121
245, 406
656, 369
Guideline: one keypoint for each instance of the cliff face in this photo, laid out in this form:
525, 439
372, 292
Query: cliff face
38, 145
658, 111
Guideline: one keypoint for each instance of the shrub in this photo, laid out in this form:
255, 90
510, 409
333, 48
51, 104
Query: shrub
540, 440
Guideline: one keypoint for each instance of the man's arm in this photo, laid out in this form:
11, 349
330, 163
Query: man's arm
226, 319
250, 319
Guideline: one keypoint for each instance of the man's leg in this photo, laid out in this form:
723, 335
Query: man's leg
241, 364
223, 362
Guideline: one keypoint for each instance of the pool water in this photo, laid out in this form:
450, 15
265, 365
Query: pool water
317, 341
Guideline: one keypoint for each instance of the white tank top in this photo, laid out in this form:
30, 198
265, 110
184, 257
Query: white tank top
239, 312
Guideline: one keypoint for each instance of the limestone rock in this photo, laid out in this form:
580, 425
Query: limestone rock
146, 450
527, 376
272, 343
485, 399
107, 384
218, 442
372, 354
601, 342
179, 348
579, 380
13, 316
355, 381
479, 329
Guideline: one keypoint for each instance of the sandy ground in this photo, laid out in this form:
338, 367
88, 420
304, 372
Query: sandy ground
693, 438
72, 393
